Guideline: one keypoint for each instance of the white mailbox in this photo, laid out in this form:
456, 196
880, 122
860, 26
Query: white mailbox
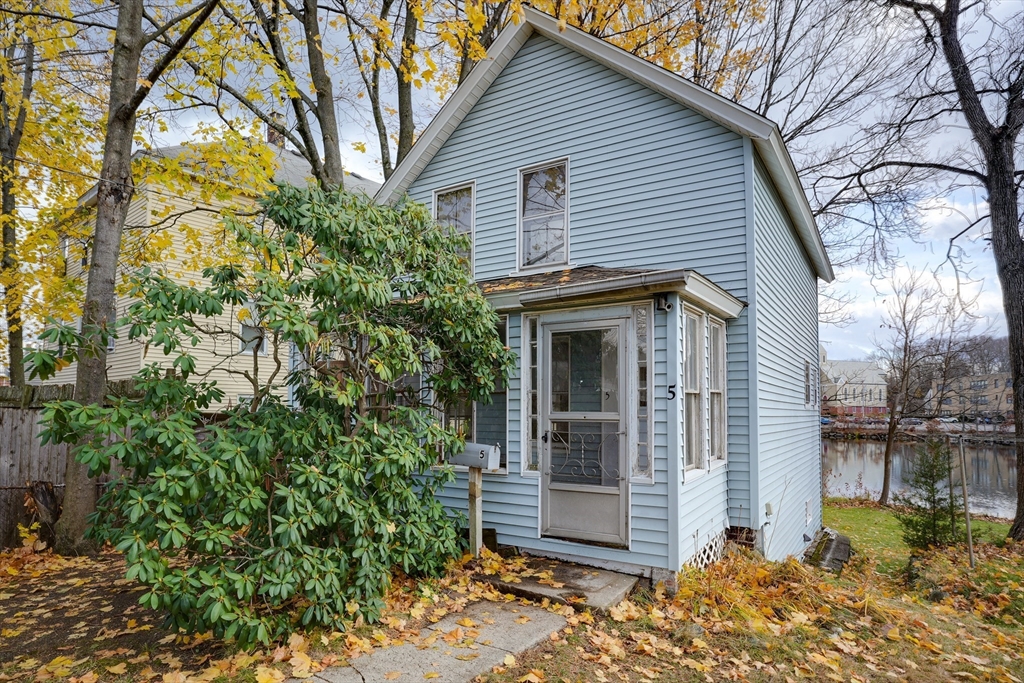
478, 455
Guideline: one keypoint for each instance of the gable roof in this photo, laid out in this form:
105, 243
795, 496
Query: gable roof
764, 134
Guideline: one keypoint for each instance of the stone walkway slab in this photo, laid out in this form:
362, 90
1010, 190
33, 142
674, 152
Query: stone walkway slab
497, 630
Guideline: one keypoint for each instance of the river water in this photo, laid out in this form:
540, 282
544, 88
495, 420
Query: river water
852, 468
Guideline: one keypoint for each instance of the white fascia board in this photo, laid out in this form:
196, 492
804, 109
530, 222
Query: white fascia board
780, 167
708, 296
454, 111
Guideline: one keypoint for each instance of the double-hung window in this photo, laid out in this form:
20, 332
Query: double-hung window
453, 208
693, 381
716, 389
544, 216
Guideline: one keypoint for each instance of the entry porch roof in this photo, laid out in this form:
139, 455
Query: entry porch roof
593, 284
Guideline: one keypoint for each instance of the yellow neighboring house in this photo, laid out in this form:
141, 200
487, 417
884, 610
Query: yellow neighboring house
176, 226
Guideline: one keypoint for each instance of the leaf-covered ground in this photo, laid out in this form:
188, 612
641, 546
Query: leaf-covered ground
744, 619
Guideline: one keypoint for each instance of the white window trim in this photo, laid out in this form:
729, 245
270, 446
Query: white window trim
524, 394
472, 216
241, 343
519, 217
633, 393
701, 465
716, 463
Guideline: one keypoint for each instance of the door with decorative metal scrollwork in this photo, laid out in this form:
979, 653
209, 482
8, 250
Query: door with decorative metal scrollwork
583, 432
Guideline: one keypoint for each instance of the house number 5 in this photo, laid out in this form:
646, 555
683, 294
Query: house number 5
671, 391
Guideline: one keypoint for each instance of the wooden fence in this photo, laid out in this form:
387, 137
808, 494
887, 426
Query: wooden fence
23, 458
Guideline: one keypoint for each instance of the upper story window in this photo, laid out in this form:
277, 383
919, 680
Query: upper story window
544, 216
453, 208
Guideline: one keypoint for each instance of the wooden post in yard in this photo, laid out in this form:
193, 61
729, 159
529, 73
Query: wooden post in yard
476, 510
477, 458
967, 507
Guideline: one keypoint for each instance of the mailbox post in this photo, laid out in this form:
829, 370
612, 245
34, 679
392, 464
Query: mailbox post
477, 457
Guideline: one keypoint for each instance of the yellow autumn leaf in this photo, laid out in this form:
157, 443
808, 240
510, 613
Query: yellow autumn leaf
509, 660
117, 669
431, 674
392, 675
265, 674
467, 622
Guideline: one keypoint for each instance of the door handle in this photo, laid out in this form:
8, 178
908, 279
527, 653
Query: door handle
544, 436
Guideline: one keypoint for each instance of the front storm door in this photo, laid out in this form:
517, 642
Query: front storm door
583, 432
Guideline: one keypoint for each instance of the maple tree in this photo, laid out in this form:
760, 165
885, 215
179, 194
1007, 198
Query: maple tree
170, 27
49, 96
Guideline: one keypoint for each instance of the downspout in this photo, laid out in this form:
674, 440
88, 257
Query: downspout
674, 430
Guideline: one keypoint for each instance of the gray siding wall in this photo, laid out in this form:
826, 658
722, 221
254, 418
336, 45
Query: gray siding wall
651, 185
789, 448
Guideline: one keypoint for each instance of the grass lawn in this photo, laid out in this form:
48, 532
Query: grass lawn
875, 531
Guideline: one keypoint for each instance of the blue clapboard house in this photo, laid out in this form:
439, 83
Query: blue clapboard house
655, 263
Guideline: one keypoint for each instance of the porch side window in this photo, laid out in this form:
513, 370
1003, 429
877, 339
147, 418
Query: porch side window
693, 373
642, 466
531, 459
491, 419
717, 391
544, 216
454, 209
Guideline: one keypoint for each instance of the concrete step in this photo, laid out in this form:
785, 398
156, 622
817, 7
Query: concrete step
569, 584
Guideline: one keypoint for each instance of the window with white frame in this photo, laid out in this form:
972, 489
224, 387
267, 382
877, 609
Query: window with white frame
544, 216
642, 465
453, 208
531, 461
251, 337
693, 383
716, 389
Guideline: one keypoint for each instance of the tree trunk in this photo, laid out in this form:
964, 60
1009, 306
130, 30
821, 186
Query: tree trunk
890, 440
1008, 250
114, 194
9, 268
323, 86
406, 124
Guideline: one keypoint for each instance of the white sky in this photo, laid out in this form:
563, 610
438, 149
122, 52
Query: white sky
977, 279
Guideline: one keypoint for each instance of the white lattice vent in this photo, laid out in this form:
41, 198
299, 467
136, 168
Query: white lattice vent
710, 552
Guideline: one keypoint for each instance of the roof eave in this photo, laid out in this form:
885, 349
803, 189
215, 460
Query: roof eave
693, 287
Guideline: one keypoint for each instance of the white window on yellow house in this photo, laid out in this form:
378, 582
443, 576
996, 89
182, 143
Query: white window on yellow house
252, 337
